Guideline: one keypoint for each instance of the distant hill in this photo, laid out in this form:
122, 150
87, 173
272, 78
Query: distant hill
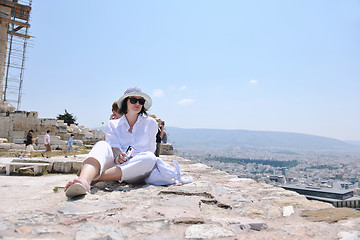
216, 138
353, 142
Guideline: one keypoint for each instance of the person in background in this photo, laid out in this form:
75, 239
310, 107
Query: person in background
107, 160
115, 114
47, 145
159, 136
164, 138
70, 147
115, 111
29, 144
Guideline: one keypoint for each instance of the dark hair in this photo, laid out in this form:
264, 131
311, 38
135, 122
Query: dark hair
72, 135
31, 130
123, 108
47, 131
115, 106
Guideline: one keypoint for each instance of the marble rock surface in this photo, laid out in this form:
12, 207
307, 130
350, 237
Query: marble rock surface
216, 205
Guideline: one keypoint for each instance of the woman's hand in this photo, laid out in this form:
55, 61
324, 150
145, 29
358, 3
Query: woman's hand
120, 158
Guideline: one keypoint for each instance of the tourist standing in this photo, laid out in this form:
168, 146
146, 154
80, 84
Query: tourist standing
159, 136
164, 137
47, 145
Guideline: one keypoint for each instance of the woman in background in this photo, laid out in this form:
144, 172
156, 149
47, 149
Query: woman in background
115, 111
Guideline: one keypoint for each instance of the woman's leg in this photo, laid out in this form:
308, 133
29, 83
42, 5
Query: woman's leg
89, 170
137, 168
99, 159
111, 174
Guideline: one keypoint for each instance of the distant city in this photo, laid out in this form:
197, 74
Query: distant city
310, 168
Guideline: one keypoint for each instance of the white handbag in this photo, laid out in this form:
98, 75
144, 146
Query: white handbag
164, 174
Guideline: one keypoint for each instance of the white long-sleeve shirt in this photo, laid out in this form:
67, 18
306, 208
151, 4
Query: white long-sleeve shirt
142, 138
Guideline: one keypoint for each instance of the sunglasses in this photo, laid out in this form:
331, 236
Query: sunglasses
134, 100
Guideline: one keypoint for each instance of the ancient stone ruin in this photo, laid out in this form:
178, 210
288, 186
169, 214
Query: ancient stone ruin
14, 126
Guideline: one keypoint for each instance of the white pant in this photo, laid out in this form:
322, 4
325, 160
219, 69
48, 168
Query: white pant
29, 148
133, 171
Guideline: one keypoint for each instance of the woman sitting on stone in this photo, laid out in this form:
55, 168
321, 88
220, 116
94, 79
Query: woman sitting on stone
107, 160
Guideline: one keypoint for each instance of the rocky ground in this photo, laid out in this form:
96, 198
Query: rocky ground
216, 205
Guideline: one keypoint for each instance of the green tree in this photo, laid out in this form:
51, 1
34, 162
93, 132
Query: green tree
67, 117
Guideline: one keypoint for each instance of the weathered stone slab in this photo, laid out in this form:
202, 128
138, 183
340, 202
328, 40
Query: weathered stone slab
207, 231
88, 208
331, 215
5, 146
166, 149
149, 227
96, 232
288, 211
352, 235
62, 167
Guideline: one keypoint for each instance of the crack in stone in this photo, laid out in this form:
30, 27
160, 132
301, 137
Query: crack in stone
217, 203
203, 194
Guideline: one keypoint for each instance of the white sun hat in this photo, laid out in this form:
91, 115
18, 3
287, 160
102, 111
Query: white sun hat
136, 92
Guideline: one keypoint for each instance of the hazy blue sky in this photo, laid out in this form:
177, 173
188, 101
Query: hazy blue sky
291, 66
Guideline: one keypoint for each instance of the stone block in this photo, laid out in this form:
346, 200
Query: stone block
18, 134
61, 143
55, 138
18, 126
207, 231
5, 146
166, 149
19, 114
49, 167
4, 134
4, 124
288, 211
76, 166
89, 135
78, 142
41, 139
48, 121
18, 146
18, 140
61, 128
4, 106
61, 147
62, 167
99, 134
79, 136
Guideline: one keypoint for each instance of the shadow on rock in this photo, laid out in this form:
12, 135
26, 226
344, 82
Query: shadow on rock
115, 186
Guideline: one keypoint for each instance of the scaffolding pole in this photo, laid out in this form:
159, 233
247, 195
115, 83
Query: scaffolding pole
18, 36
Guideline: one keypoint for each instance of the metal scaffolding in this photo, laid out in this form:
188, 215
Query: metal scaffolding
16, 14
